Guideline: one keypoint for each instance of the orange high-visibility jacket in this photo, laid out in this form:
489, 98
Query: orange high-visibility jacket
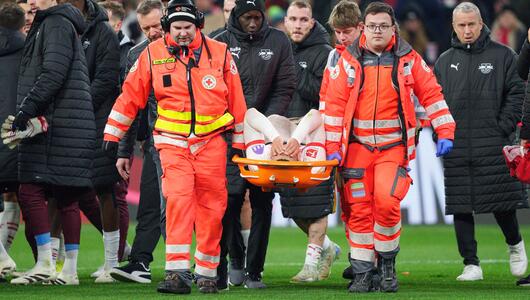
195, 103
414, 79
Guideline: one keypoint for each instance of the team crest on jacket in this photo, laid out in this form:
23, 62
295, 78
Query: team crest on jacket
209, 82
265, 54
485, 68
303, 64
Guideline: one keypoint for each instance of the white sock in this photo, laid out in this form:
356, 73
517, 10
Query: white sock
312, 254
44, 249
245, 233
3, 253
9, 223
62, 252
327, 243
70, 262
55, 244
111, 242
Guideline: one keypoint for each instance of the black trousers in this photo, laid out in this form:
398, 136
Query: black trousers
261, 204
148, 229
465, 233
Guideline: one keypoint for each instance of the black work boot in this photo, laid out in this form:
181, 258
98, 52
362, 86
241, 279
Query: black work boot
173, 284
361, 283
387, 273
222, 275
207, 285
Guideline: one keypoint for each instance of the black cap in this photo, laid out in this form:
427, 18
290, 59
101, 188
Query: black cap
181, 10
244, 6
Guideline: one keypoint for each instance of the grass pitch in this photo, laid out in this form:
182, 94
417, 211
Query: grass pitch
427, 267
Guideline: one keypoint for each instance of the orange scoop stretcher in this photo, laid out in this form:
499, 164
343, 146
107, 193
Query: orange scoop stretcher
272, 174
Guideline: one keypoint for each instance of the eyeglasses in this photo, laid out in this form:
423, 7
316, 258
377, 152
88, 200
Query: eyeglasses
382, 27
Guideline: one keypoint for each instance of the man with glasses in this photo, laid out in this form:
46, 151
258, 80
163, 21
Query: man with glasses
371, 123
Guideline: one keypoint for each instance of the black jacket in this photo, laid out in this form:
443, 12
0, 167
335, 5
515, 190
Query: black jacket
143, 125
266, 67
11, 46
310, 58
53, 81
102, 53
485, 96
523, 67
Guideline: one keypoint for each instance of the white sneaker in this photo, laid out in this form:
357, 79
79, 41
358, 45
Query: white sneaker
105, 278
307, 274
471, 273
98, 272
7, 266
327, 258
518, 259
65, 279
38, 274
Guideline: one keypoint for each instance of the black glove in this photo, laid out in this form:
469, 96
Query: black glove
21, 121
110, 148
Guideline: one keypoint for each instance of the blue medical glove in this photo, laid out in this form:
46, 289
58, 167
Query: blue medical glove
443, 147
334, 155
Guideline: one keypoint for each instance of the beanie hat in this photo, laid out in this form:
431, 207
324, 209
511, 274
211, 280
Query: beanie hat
244, 6
182, 10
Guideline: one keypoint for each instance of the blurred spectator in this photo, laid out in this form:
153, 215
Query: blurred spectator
276, 14
413, 31
29, 14
213, 15
130, 25
508, 29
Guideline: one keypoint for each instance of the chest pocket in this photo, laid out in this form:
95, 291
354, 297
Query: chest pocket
210, 91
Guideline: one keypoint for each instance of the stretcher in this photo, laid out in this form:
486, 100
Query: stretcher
273, 174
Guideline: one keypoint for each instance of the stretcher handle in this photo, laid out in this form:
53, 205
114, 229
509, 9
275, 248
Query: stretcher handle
276, 163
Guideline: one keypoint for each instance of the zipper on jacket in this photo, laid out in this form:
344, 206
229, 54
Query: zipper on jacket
192, 99
469, 130
376, 98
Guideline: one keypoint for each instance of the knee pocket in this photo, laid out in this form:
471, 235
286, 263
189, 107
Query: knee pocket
401, 184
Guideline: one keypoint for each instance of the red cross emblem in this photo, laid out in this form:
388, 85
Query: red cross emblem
209, 82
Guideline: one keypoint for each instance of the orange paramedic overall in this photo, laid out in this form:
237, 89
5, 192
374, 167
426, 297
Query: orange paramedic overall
370, 121
199, 97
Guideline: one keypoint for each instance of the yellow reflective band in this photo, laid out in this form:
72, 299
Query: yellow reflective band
183, 115
224, 120
163, 61
185, 129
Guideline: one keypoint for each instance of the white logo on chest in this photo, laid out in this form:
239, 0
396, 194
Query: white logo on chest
235, 51
209, 82
265, 54
455, 66
485, 68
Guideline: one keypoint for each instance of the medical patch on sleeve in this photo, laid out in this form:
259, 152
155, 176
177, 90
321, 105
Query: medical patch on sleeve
357, 190
335, 71
425, 66
233, 67
134, 67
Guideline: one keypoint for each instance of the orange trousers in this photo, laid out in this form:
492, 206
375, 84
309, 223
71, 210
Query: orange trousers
196, 195
375, 182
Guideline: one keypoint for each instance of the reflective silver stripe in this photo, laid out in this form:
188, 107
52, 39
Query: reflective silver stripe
362, 254
386, 246
115, 131
410, 150
388, 231
178, 265
322, 105
437, 106
333, 136
205, 271
442, 120
204, 257
407, 70
121, 118
379, 138
238, 138
195, 147
368, 124
333, 121
178, 248
361, 238
180, 13
160, 139
411, 132
239, 127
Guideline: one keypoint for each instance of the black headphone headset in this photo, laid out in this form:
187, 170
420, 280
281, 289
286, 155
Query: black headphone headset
189, 4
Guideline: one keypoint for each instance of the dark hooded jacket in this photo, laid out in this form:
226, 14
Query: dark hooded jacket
485, 95
11, 46
102, 53
53, 82
310, 57
523, 66
266, 67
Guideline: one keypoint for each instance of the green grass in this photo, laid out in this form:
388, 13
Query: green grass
427, 266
